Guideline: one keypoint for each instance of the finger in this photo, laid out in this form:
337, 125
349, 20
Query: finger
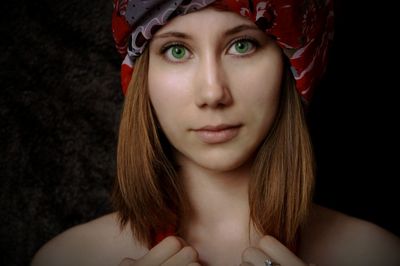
127, 262
163, 251
278, 252
185, 256
254, 256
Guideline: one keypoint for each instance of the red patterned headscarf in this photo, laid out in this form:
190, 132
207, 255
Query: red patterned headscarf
302, 28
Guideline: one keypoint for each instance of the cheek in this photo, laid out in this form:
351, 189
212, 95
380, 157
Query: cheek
260, 77
259, 91
169, 93
166, 88
162, 89
259, 88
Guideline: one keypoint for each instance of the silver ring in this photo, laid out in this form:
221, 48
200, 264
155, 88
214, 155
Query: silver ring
269, 262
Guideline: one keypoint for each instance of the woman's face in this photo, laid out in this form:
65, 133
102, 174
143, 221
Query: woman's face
214, 82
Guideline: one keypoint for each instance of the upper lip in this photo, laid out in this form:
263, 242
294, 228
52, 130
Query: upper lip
217, 127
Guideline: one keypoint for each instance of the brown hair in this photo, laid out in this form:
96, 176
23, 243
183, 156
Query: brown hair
280, 193
149, 195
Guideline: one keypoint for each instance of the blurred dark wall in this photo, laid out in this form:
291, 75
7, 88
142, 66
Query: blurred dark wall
354, 116
59, 108
60, 103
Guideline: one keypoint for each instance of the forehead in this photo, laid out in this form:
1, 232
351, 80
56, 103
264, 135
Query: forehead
208, 18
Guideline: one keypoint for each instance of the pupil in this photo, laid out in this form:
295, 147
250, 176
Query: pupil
241, 46
178, 52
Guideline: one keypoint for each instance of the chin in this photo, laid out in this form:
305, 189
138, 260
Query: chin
224, 158
223, 163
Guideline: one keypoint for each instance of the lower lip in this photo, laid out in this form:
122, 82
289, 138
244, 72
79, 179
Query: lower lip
217, 136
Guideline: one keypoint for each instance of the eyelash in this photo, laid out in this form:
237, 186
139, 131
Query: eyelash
249, 39
167, 46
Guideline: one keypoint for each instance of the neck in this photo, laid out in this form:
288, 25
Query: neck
218, 200
219, 213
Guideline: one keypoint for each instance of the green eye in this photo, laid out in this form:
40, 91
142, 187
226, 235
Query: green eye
178, 52
242, 46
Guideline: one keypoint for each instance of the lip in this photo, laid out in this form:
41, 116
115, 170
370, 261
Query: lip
217, 134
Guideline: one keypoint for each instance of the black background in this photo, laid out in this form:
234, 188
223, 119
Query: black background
60, 102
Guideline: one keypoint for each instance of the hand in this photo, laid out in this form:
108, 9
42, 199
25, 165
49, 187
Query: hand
269, 248
169, 252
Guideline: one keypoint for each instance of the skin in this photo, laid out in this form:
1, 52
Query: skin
330, 239
214, 84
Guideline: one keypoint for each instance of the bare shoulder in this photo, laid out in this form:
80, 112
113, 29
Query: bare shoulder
333, 238
98, 242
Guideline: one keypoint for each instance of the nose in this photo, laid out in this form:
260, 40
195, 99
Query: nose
212, 85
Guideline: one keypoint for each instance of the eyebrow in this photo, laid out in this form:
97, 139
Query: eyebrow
172, 34
240, 28
232, 31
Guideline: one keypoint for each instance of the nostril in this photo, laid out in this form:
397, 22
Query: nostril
214, 97
212, 86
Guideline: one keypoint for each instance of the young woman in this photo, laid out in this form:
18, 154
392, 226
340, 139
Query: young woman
215, 165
